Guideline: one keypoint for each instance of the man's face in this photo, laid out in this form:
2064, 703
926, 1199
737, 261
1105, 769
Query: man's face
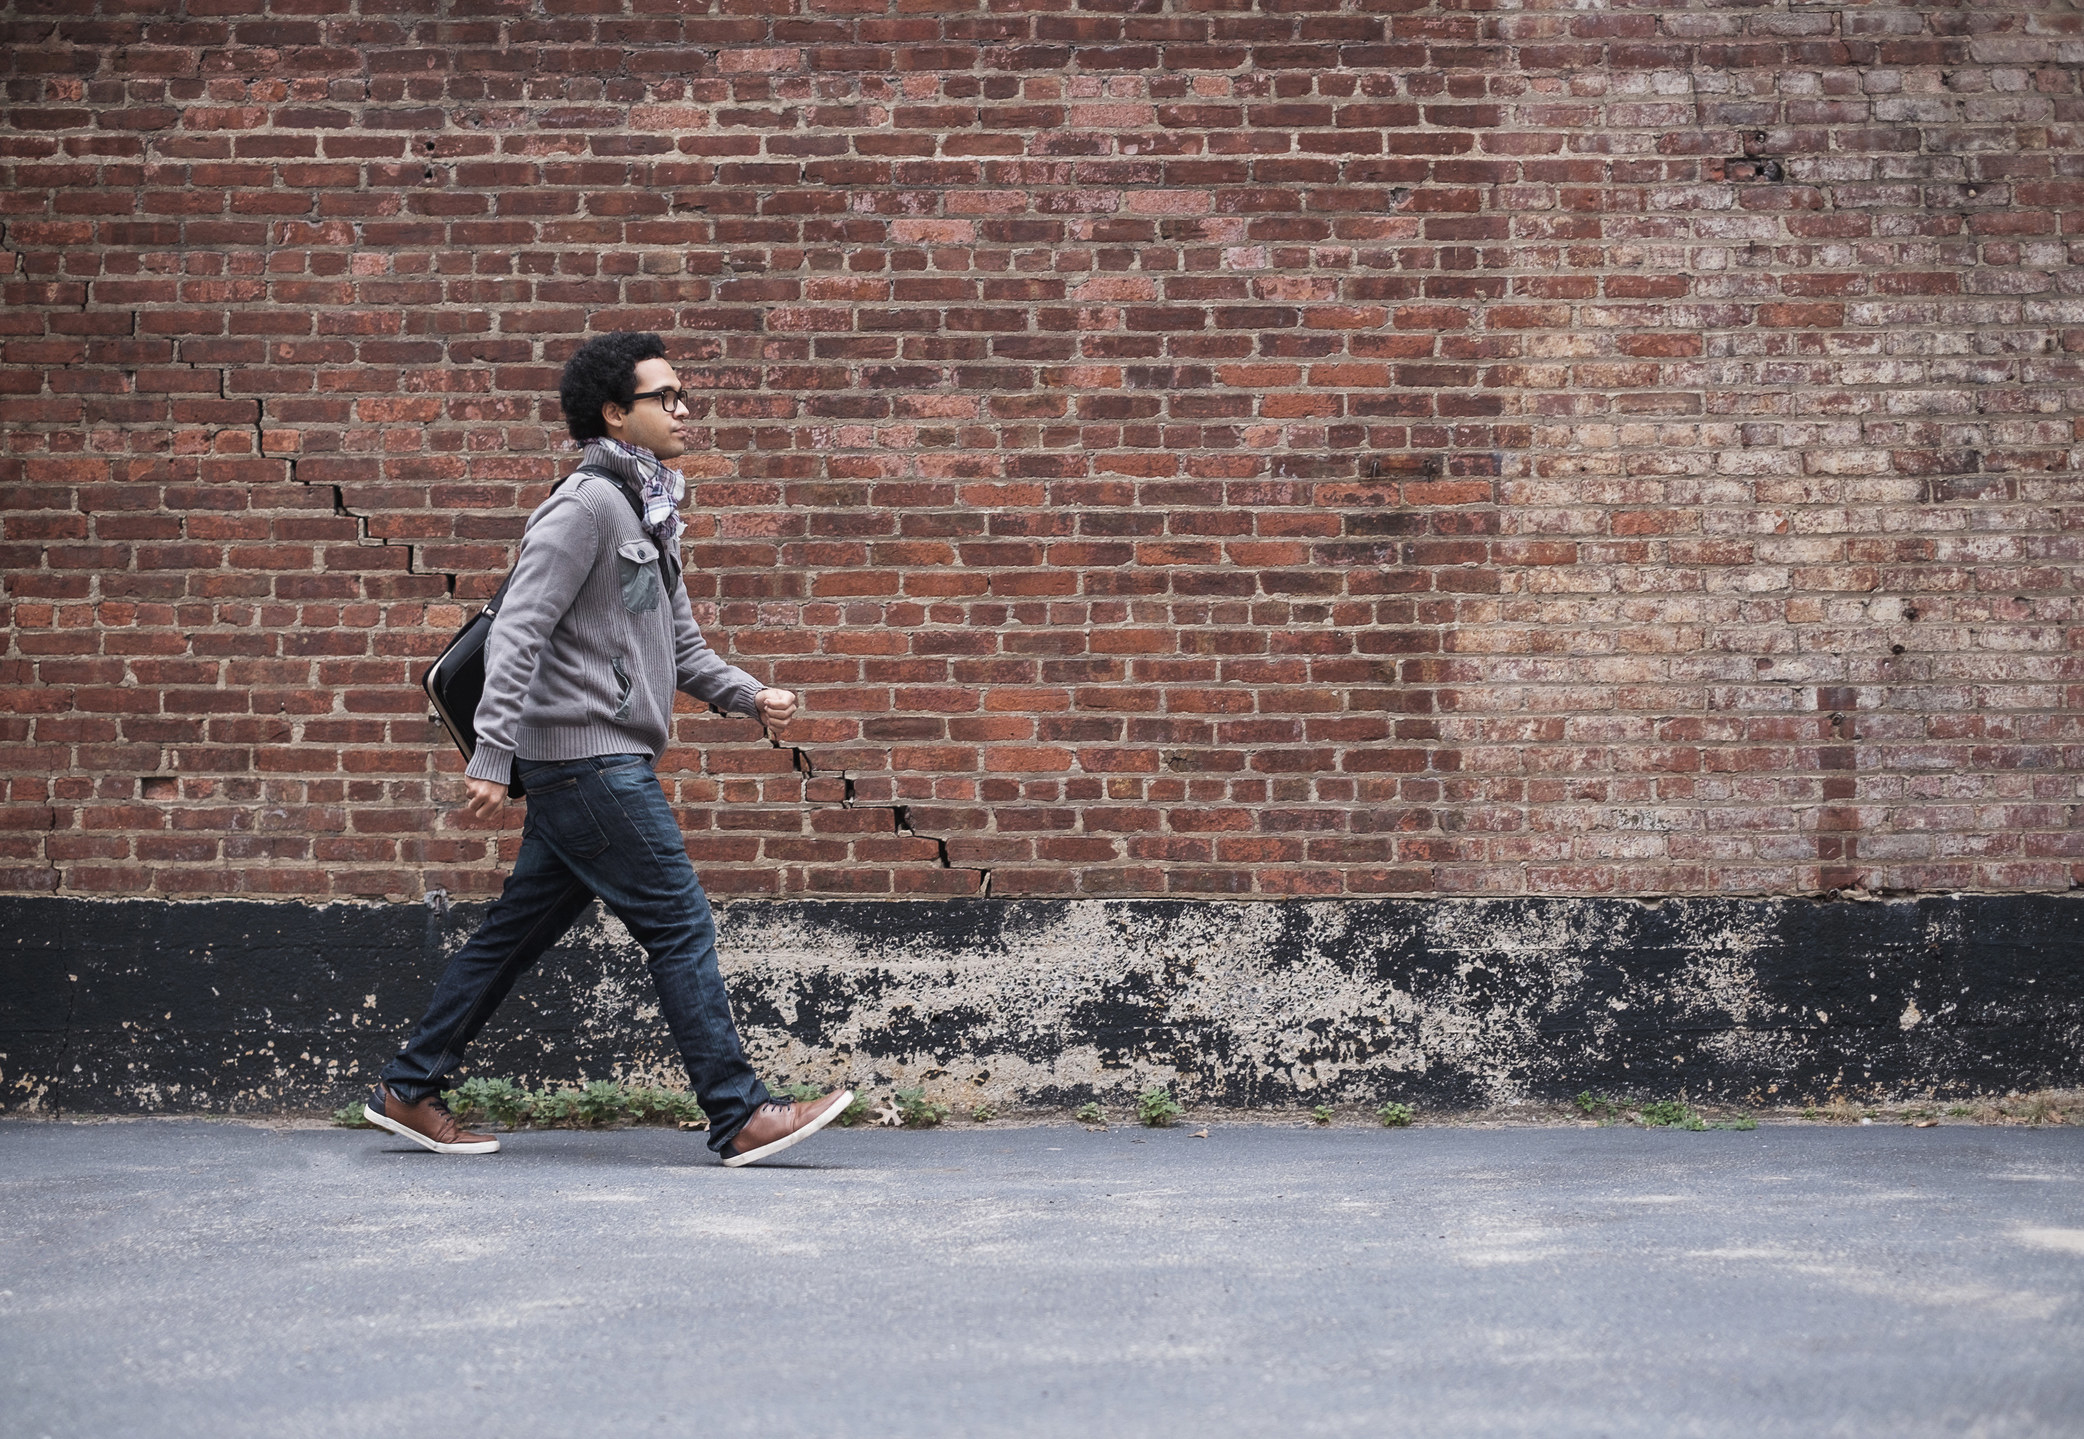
649, 424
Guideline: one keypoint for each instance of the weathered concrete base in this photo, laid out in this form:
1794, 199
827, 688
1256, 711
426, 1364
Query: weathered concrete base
144, 1005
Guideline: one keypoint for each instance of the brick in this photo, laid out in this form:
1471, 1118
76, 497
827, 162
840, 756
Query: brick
1174, 454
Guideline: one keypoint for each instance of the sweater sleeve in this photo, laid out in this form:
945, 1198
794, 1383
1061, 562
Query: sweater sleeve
700, 671
558, 551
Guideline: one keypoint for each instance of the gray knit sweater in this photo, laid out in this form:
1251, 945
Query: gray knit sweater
588, 647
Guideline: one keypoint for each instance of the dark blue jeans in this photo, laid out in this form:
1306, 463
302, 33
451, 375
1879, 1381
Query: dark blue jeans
597, 826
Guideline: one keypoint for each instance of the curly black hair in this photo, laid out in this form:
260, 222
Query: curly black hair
603, 370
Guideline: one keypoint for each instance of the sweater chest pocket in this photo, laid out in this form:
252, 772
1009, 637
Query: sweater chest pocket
636, 563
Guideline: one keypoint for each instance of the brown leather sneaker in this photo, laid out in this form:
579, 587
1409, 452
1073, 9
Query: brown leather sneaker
775, 1126
427, 1124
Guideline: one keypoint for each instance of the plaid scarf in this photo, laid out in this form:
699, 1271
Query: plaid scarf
661, 489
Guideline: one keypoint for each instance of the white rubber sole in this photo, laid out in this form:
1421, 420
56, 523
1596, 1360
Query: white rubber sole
483, 1146
832, 1112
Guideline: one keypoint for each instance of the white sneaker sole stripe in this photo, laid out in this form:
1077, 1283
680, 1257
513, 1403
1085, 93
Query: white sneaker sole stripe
832, 1112
488, 1146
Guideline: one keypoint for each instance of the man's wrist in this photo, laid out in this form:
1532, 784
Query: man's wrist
491, 763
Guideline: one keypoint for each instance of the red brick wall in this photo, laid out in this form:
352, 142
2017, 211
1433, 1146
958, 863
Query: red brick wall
1294, 448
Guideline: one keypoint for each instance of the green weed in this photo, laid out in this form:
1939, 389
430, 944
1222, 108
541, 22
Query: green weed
1090, 1113
499, 1100
1394, 1115
1596, 1106
597, 1103
349, 1116
600, 1102
919, 1112
1742, 1121
1670, 1114
1156, 1107
547, 1106
983, 1114
664, 1106
857, 1110
1321, 1114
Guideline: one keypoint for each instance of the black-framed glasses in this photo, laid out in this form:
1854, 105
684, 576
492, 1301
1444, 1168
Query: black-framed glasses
668, 397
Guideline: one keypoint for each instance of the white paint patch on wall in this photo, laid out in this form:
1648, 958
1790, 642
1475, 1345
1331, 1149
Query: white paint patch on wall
1219, 999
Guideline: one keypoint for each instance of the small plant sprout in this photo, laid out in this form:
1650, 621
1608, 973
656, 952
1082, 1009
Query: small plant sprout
1596, 1106
983, 1114
668, 1106
1156, 1107
1670, 1114
500, 1100
1394, 1115
600, 1102
918, 1111
1090, 1113
1321, 1114
543, 1106
856, 1111
350, 1116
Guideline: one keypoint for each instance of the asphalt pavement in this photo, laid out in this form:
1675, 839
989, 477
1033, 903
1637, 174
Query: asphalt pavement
163, 1279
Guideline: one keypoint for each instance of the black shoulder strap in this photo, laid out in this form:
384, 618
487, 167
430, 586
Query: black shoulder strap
636, 501
498, 595
668, 566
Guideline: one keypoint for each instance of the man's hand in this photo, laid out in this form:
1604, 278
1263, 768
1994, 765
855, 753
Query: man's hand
486, 796
776, 707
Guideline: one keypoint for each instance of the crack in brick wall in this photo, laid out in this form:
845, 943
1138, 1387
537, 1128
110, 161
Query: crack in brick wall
1333, 449
800, 759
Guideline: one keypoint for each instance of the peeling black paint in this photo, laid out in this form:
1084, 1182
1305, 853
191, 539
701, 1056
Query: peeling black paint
125, 1006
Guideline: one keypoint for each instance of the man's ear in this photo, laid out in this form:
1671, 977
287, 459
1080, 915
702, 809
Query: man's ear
613, 415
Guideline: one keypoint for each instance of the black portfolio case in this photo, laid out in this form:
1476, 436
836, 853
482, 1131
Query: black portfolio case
455, 682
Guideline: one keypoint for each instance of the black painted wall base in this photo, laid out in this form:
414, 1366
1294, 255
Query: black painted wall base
226, 1005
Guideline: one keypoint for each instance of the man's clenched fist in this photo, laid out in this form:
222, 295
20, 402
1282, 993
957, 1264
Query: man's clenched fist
486, 796
776, 707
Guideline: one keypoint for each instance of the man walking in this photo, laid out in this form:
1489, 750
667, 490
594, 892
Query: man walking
594, 636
